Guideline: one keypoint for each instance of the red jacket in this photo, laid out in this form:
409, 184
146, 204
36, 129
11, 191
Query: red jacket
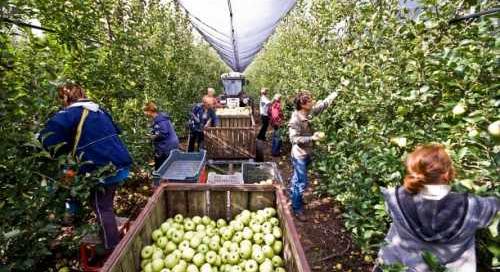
275, 114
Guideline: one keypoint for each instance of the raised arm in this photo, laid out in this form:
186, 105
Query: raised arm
321, 105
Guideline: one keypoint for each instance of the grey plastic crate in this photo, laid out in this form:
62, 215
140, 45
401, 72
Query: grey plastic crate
254, 172
181, 167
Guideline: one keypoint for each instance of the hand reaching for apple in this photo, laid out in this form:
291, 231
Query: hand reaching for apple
318, 136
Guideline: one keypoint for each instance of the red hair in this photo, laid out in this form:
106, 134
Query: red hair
428, 164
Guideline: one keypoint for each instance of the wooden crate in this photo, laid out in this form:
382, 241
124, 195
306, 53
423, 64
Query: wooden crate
230, 142
236, 121
216, 201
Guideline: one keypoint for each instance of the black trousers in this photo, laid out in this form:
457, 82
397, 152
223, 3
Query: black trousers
263, 128
196, 137
159, 159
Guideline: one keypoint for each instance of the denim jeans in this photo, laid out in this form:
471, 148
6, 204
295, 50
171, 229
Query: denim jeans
299, 183
276, 142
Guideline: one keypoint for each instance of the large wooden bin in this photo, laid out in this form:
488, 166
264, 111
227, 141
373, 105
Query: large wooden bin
234, 138
230, 142
216, 201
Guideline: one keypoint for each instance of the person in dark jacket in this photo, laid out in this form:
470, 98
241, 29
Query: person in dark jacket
162, 133
428, 217
202, 116
98, 145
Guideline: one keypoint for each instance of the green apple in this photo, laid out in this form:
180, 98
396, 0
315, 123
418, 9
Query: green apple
148, 268
157, 233
165, 226
221, 223
234, 257
157, 265
206, 268
227, 233
258, 256
199, 259
261, 216
177, 253
279, 269
214, 244
277, 247
178, 218
258, 238
147, 252
200, 227
177, 236
206, 240
218, 261
189, 224
171, 260
165, 270
162, 242
255, 226
157, 254
211, 231
268, 251
188, 253
245, 249
236, 268
227, 244
277, 232
170, 247
183, 245
269, 239
145, 262
211, 257
274, 221
206, 220
266, 266
267, 227
188, 235
247, 233
170, 232
270, 212
195, 242
494, 129
196, 219
234, 247
277, 261
203, 248
237, 237
245, 216
251, 266
192, 268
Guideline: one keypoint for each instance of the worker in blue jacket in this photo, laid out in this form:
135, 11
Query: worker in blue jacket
88, 132
202, 116
162, 133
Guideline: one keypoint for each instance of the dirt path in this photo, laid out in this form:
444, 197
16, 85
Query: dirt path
328, 246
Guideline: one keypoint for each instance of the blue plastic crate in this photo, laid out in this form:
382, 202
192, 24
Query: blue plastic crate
181, 167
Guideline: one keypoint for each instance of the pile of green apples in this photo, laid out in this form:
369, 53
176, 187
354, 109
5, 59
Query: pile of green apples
249, 243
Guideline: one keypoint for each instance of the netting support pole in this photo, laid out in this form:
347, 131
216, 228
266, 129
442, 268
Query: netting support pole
235, 47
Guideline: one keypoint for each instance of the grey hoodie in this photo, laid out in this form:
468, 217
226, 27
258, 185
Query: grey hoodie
444, 226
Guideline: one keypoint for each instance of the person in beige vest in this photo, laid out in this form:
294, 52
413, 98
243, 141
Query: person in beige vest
302, 139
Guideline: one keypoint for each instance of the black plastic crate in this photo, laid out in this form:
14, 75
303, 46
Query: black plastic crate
254, 172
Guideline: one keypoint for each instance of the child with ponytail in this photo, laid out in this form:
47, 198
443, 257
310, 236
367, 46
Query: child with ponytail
428, 217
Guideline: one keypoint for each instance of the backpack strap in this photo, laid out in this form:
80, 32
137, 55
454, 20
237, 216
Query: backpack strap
85, 113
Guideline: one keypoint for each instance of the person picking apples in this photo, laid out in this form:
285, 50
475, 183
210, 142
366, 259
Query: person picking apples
429, 217
302, 138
